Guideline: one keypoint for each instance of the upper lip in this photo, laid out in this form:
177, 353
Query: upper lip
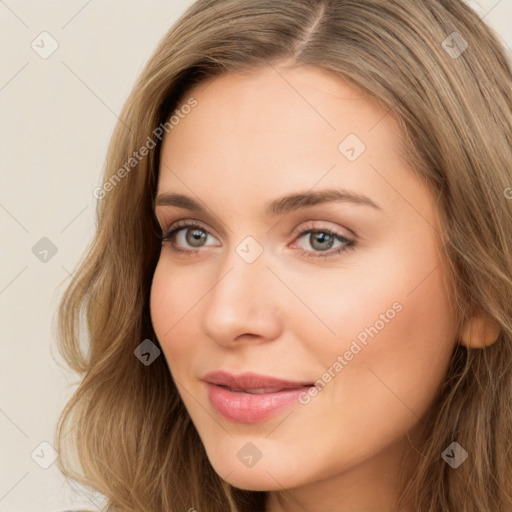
251, 380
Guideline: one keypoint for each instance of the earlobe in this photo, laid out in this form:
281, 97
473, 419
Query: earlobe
479, 332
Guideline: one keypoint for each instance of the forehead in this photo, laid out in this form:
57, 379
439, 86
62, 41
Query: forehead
305, 100
273, 128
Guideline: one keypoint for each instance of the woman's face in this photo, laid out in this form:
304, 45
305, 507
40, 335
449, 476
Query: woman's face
342, 293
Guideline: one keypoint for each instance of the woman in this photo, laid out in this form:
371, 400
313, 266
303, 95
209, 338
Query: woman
299, 296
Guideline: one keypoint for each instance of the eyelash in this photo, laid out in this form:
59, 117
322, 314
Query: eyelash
180, 225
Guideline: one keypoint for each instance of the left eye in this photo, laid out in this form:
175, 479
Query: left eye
323, 239
195, 236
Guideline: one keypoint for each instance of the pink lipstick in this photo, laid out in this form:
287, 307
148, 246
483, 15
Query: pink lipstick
249, 397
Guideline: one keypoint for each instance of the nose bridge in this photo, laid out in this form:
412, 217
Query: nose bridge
243, 299
244, 270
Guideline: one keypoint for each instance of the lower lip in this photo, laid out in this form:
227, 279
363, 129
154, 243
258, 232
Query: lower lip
251, 408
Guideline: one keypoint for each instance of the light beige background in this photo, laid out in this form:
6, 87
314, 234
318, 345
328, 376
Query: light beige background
57, 115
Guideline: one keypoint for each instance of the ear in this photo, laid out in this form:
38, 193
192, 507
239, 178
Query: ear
479, 332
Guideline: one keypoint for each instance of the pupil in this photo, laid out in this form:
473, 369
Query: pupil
197, 235
322, 238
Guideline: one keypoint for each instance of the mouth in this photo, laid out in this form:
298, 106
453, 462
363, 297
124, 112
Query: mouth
249, 397
252, 382
255, 391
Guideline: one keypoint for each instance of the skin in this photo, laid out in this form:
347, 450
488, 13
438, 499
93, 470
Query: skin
254, 137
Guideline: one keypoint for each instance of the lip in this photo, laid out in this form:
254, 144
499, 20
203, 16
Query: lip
249, 397
249, 380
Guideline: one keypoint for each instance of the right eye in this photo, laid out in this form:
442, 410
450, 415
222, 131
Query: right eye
183, 233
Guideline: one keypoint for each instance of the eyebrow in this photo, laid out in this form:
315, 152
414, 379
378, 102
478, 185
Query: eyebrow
280, 205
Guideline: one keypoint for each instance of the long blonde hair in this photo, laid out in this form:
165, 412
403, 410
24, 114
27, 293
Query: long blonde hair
443, 73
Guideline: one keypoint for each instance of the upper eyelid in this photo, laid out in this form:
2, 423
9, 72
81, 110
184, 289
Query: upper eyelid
178, 225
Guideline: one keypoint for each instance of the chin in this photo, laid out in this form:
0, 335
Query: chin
264, 475
256, 481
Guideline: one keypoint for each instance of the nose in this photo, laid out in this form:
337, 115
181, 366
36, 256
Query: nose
244, 303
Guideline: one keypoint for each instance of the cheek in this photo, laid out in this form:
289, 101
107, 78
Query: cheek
172, 301
395, 330
395, 287
390, 296
393, 375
